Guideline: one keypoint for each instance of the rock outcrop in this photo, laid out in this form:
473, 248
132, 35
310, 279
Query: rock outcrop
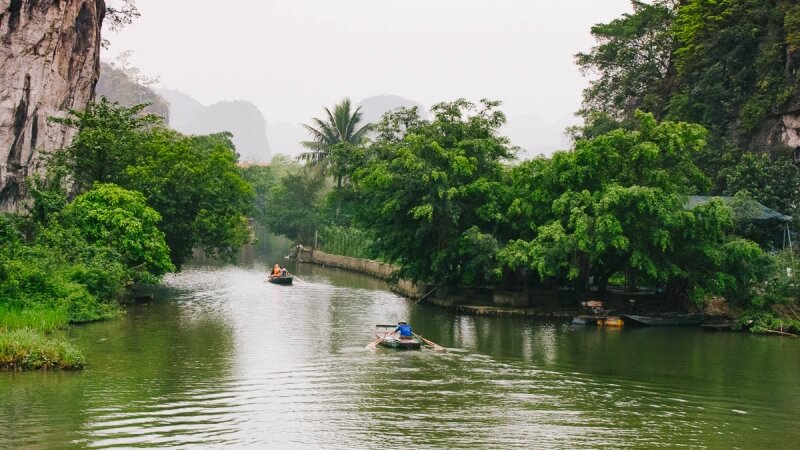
49, 60
239, 117
780, 131
117, 86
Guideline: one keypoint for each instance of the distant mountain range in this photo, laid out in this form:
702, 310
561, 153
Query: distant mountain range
256, 140
239, 117
286, 137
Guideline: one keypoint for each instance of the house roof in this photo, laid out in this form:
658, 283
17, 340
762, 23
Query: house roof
749, 210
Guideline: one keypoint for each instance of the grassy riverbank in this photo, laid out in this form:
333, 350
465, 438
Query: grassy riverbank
28, 349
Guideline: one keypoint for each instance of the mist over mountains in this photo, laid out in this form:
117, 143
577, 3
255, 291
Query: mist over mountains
239, 117
257, 140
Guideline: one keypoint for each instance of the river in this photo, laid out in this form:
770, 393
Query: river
221, 358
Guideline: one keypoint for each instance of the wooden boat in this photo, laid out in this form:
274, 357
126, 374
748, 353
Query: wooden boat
286, 281
400, 344
666, 319
587, 319
611, 322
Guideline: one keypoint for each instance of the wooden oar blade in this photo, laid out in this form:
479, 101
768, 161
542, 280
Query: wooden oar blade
431, 344
374, 344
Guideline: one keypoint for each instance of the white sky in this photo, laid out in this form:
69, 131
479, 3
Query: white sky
293, 57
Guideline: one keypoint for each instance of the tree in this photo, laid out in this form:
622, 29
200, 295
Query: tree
430, 188
119, 219
633, 60
731, 62
296, 198
772, 181
193, 182
107, 141
335, 139
614, 204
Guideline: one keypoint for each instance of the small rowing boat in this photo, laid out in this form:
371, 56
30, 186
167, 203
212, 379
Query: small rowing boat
401, 344
286, 281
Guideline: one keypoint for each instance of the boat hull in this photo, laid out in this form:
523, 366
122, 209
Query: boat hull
401, 344
284, 281
666, 320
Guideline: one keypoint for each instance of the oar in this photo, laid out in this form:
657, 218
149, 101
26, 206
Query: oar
298, 278
430, 343
373, 344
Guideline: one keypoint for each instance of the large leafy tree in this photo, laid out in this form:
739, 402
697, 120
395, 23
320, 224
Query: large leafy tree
632, 62
614, 204
429, 192
336, 140
116, 218
107, 142
192, 182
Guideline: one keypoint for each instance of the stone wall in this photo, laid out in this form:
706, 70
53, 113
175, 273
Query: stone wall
49, 60
376, 269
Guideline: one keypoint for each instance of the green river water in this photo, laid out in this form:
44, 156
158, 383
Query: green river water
222, 359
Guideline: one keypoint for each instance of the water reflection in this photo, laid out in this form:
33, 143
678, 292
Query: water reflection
222, 358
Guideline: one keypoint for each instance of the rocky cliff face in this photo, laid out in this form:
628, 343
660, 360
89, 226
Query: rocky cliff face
117, 86
49, 59
780, 131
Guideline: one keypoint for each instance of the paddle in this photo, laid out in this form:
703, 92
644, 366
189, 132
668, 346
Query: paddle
430, 343
373, 344
299, 279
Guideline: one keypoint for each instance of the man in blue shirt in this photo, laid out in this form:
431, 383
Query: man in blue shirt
405, 330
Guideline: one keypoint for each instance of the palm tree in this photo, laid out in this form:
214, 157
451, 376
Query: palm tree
339, 130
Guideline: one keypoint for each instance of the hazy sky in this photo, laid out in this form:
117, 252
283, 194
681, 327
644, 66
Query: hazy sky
292, 57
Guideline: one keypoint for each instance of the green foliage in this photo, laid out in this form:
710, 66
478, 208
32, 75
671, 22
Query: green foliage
731, 63
346, 241
613, 204
37, 317
632, 59
25, 349
336, 141
192, 182
113, 217
429, 189
108, 140
263, 178
771, 181
296, 202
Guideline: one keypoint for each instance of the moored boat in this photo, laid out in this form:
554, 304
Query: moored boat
286, 281
666, 319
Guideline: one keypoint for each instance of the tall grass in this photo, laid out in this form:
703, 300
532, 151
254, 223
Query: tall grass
345, 241
27, 349
41, 318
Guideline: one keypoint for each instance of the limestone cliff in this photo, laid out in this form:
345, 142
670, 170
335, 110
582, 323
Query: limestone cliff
239, 117
49, 59
117, 86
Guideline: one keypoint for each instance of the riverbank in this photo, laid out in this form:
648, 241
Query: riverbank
380, 270
28, 349
469, 300
484, 301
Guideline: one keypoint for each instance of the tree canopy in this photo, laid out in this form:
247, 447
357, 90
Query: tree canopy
191, 181
427, 190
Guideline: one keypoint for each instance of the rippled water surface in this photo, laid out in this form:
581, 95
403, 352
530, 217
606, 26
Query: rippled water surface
221, 358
